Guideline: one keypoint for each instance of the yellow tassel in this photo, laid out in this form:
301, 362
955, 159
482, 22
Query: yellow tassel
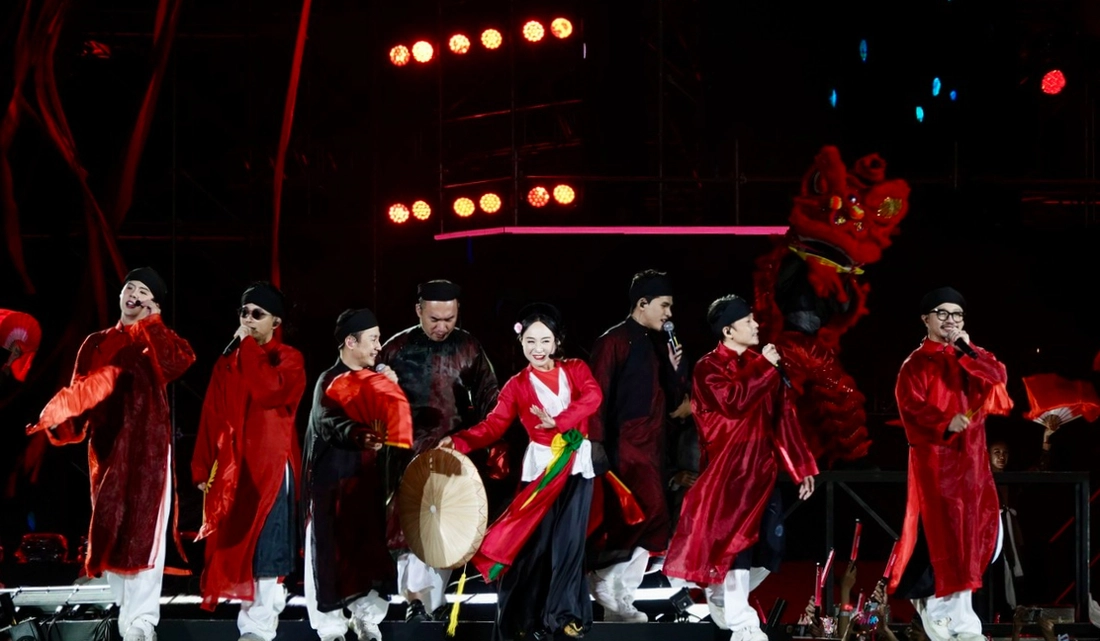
452, 625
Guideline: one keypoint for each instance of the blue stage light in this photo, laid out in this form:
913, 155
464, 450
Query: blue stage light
863, 50
832, 98
936, 86
920, 114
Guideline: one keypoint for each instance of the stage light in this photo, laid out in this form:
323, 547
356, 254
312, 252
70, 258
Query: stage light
459, 43
538, 197
533, 31
399, 55
464, 207
422, 51
399, 213
953, 95
490, 203
832, 99
491, 38
863, 50
422, 210
936, 86
920, 114
561, 28
1053, 82
564, 194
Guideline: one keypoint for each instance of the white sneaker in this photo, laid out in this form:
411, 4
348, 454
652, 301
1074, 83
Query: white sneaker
630, 614
365, 630
137, 633
601, 593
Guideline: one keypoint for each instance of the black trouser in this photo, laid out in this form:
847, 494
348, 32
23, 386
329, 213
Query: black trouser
545, 587
768, 551
277, 546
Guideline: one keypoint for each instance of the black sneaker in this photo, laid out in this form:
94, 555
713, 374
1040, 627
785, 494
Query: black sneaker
416, 613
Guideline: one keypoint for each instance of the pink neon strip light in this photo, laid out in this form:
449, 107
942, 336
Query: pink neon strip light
621, 231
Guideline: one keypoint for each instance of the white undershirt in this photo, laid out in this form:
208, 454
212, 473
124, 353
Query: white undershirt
538, 456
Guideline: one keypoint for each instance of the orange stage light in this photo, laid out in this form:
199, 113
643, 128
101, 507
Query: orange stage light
490, 203
533, 31
422, 51
564, 194
464, 207
538, 197
422, 210
561, 28
399, 213
399, 55
491, 38
459, 43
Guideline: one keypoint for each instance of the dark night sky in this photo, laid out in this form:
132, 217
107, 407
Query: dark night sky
748, 86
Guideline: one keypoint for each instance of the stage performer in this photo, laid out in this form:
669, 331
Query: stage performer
537, 547
246, 461
945, 390
643, 379
130, 451
730, 533
809, 291
347, 563
450, 385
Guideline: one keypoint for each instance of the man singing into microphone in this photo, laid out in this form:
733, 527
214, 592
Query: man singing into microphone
730, 522
944, 391
642, 379
248, 419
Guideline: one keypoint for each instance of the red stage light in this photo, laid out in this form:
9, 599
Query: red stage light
490, 203
491, 38
464, 207
399, 213
422, 51
561, 28
564, 194
399, 55
422, 210
533, 31
1053, 82
538, 197
459, 43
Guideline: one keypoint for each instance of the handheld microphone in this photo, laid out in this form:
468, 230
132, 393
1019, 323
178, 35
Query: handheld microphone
670, 330
233, 344
965, 348
380, 367
783, 375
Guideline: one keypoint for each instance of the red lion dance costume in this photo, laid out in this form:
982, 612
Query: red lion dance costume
808, 291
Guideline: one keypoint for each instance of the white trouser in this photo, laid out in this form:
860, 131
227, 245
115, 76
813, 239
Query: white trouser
371, 608
953, 616
732, 598
416, 580
260, 616
138, 594
621, 580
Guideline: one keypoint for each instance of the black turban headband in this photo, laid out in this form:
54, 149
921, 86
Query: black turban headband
650, 288
152, 280
936, 297
439, 290
354, 323
265, 296
735, 310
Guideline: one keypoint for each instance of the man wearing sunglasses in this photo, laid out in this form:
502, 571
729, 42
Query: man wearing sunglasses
945, 390
246, 461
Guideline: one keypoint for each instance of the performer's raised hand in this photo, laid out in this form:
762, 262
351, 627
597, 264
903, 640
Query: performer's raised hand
387, 371
675, 356
958, 423
771, 353
955, 334
151, 307
806, 489
548, 422
446, 443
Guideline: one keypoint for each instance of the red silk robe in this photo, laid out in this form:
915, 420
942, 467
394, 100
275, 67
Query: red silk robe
129, 438
951, 487
747, 431
249, 408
